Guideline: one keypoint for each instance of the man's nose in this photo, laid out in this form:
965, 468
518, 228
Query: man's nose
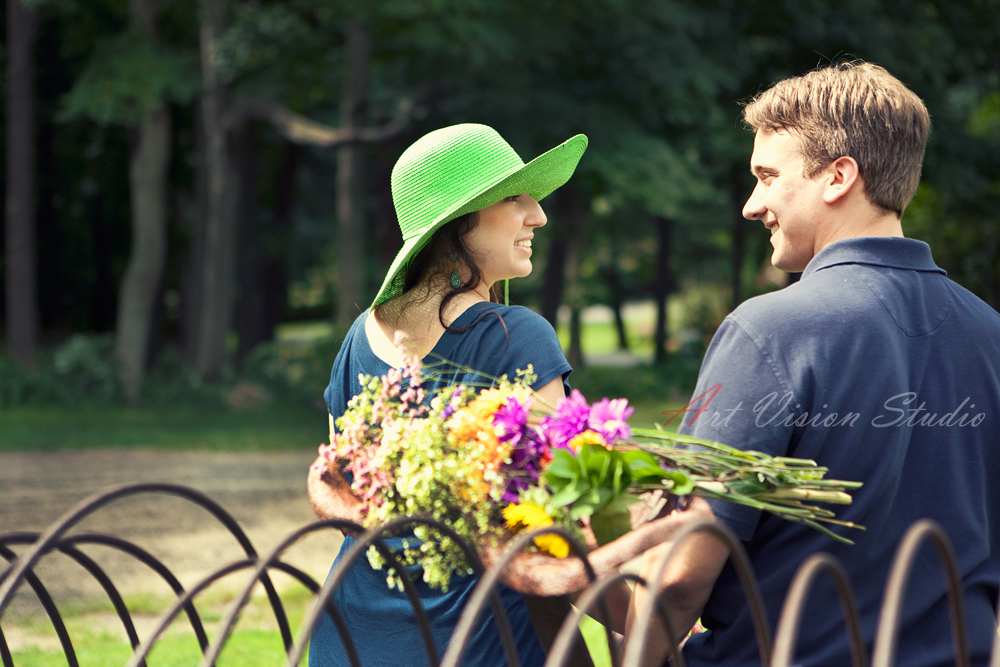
754, 209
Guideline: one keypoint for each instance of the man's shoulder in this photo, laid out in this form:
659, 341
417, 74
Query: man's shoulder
836, 294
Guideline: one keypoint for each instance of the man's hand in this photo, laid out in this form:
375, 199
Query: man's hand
538, 574
686, 584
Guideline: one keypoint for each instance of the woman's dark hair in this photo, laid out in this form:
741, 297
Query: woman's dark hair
435, 259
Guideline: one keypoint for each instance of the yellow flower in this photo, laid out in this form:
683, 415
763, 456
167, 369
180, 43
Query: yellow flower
527, 515
487, 403
553, 545
587, 438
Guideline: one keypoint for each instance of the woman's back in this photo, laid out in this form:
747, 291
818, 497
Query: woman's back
380, 620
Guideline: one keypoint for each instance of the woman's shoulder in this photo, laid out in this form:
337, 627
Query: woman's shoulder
503, 339
524, 320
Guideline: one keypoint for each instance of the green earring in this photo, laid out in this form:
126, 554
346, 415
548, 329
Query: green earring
455, 280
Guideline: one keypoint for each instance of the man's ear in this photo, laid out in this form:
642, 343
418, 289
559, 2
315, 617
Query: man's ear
842, 175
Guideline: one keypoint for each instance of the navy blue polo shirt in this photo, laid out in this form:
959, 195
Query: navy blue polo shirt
879, 367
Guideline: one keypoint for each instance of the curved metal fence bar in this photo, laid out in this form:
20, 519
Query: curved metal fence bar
370, 538
887, 634
795, 602
48, 604
5, 656
741, 563
90, 504
486, 588
141, 652
229, 619
565, 641
109, 589
21, 569
67, 547
152, 563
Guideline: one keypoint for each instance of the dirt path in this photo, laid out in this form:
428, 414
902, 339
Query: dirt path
264, 492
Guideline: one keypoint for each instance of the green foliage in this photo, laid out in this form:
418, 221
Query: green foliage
641, 383
127, 77
985, 120
81, 369
207, 427
594, 483
646, 169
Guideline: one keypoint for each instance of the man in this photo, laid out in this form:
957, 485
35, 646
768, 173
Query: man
873, 364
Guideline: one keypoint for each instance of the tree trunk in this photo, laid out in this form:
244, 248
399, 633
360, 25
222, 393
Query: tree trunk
218, 269
574, 286
276, 282
739, 233
614, 283
250, 306
194, 260
21, 288
140, 285
555, 260
663, 287
350, 242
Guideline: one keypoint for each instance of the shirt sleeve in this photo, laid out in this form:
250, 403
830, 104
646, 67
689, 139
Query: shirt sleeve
533, 341
743, 400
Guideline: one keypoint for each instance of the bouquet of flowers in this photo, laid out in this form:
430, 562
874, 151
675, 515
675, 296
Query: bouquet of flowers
487, 465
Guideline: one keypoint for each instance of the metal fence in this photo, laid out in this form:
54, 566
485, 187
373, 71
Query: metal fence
59, 537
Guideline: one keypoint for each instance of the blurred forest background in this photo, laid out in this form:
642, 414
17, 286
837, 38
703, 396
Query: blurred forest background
197, 191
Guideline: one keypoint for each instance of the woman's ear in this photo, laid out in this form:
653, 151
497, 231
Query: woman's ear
840, 177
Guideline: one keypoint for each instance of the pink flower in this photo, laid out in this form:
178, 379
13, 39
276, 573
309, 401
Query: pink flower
609, 419
569, 420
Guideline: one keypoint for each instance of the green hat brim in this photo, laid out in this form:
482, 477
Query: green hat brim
539, 178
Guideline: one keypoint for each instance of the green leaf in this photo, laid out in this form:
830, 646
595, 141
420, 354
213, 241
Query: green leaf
563, 466
570, 493
128, 77
683, 484
610, 523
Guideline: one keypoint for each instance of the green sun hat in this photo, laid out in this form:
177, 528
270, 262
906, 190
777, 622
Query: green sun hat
458, 170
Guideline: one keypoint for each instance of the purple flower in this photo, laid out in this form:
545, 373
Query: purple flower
609, 419
529, 456
510, 421
568, 421
453, 402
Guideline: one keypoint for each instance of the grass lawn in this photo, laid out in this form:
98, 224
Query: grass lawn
45, 429
279, 427
97, 645
256, 646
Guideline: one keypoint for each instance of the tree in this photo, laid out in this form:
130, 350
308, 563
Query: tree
216, 284
141, 284
20, 280
129, 81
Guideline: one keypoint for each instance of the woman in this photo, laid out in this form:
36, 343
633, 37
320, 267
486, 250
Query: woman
468, 210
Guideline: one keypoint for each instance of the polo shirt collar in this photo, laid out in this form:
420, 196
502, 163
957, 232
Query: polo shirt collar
888, 251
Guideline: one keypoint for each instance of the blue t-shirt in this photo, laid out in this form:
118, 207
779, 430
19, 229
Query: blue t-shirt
879, 367
381, 620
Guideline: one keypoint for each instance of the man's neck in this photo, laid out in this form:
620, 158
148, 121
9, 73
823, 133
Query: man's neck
858, 219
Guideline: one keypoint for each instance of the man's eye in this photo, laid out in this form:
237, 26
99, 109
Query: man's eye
513, 198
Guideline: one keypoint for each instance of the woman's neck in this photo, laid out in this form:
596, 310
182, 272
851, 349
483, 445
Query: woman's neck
415, 315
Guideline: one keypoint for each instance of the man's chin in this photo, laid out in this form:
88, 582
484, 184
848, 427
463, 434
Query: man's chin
786, 264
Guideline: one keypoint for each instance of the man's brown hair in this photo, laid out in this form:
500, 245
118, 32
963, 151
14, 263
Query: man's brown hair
853, 109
